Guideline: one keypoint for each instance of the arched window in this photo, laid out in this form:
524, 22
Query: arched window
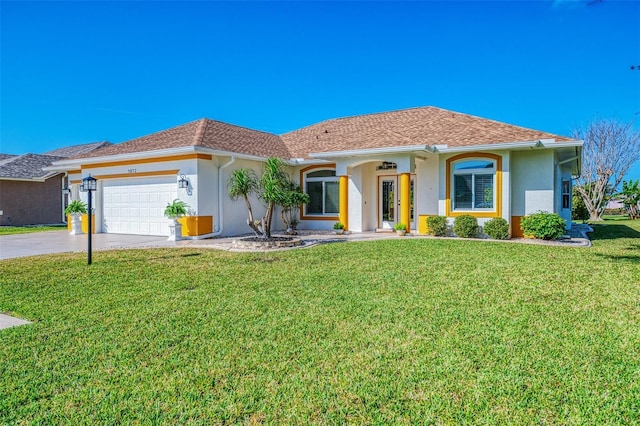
474, 185
324, 192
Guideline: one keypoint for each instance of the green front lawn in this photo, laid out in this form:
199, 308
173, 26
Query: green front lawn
407, 331
11, 230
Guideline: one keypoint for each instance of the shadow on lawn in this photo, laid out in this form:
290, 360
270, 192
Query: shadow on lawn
612, 231
634, 258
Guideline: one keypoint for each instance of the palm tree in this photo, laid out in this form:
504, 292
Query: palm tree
273, 185
270, 188
630, 196
244, 182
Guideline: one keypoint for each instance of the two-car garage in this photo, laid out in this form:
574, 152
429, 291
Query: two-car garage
136, 205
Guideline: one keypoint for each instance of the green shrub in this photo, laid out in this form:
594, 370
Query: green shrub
544, 225
497, 228
437, 226
466, 226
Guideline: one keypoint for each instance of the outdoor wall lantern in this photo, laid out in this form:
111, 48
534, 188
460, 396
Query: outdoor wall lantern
66, 191
183, 183
89, 185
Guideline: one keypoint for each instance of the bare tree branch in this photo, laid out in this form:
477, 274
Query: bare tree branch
610, 149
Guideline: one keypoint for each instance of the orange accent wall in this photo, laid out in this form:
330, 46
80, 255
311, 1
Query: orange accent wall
515, 227
405, 200
422, 223
498, 210
344, 201
192, 226
85, 223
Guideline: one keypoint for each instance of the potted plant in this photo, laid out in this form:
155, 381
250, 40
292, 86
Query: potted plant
75, 210
338, 227
401, 229
174, 210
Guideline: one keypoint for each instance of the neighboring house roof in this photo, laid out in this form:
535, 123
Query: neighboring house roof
75, 150
28, 166
416, 126
205, 133
31, 166
408, 127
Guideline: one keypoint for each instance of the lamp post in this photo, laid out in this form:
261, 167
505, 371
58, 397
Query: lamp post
89, 185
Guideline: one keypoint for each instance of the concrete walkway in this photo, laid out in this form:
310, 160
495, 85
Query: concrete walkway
6, 321
23, 245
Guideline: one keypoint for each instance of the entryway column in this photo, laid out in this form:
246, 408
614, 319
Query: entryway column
344, 201
405, 200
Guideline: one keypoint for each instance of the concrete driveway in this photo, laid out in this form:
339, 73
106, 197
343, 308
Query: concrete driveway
23, 245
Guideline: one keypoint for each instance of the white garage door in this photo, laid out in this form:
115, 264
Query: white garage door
136, 206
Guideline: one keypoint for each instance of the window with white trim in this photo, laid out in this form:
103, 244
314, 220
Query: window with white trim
474, 185
323, 189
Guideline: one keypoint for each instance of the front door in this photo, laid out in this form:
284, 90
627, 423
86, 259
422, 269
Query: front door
389, 202
388, 205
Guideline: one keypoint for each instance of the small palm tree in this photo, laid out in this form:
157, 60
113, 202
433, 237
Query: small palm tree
271, 188
243, 183
273, 184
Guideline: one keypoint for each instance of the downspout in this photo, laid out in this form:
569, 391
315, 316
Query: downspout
64, 195
220, 209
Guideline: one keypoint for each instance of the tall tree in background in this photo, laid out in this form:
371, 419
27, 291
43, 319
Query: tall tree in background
610, 149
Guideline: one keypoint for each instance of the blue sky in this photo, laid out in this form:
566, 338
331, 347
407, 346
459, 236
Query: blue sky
78, 72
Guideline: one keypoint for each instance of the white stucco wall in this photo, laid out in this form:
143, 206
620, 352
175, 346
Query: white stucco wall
532, 182
355, 199
204, 188
427, 185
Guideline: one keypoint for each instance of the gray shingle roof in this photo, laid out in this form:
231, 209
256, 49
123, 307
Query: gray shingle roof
75, 150
28, 166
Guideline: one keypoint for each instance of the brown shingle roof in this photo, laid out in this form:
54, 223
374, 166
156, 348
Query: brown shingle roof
407, 127
206, 133
415, 126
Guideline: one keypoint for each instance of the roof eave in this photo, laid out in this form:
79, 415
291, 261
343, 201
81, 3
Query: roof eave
34, 179
535, 144
86, 161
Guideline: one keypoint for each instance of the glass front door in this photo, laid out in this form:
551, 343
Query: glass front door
388, 209
389, 202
